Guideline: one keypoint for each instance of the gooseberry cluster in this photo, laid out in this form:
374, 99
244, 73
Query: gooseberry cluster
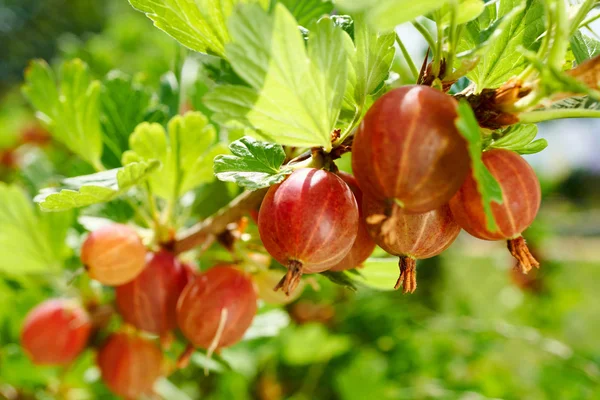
412, 193
155, 293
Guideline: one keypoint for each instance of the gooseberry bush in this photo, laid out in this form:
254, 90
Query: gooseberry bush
292, 149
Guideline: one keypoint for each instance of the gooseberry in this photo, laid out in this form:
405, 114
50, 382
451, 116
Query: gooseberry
129, 364
113, 254
308, 223
521, 195
55, 332
409, 236
408, 149
149, 301
363, 245
216, 309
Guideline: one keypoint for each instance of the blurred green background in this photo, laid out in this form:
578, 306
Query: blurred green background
473, 330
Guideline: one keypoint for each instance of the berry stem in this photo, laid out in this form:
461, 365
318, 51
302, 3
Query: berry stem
291, 279
408, 274
184, 359
519, 250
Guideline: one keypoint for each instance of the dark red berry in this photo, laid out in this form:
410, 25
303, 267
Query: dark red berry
408, 149
308, 223
55, 332
409, 236
113, 254
149, 301
129, 364
216, 309
363, 245
521, 196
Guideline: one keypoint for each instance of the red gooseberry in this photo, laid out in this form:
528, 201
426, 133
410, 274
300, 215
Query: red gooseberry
408, 149
216, 309
129, 364
363, 245
409, 236
521, 195
113, 254
149, 301
308, 223
55, 332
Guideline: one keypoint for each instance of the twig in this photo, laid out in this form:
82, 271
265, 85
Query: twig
202, 231
408, 58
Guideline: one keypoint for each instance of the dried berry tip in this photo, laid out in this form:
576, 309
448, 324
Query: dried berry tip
291, 279
408, 275
519, 250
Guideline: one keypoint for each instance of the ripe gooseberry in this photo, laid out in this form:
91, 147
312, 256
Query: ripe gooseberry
149, 301
521, 196
409, 236
408, 149
363, 245
55, 332
216, 309
308, 223
129, 364
113, 254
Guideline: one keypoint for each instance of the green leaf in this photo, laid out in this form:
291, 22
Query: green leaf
520, 138
70, 108
307, 11
370, 62
519, 24
100, 187
341, 278
168, 390
253, 165
379, 273
311, 344
186, 154
487, 185
26, 243
385, 15
296, 93
467, 11
584, 47
125, 104
354, 384
268, 324
199, 25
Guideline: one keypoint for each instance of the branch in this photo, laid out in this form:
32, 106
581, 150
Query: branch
533, 117
205, 230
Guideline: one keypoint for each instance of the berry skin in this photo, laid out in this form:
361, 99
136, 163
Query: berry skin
55, 332
149, 301
113, 254
129, 364
363, 245
216, 309
308, 223
521, 196
408, 149
409, 236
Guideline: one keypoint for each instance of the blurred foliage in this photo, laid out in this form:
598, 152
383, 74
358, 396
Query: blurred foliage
473, 329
